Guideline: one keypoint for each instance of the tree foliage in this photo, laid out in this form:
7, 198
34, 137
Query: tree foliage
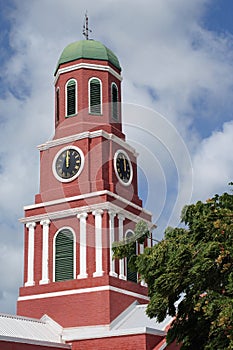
190, 276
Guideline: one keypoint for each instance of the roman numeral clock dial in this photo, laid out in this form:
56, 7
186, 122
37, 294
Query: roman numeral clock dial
123, 167
68, 164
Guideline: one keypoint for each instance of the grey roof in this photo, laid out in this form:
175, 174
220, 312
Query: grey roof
29, 330
135, 317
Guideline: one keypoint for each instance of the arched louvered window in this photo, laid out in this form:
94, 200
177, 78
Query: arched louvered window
57, 105
95, 96
71, 97
114, 94
64, 255
131, 275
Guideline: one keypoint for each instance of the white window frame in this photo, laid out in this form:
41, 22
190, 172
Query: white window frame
136, 242
54, 250
76, 97
115, 119
89, 96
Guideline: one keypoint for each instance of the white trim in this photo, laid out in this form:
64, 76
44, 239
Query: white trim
83, 135
88, 66
83, 290
31, 242
74, 248
85, 196
89, 96
98, 243
76, 98
83, 247
130, 165
55, 160
33, 342
45, 251
96, 332
89, 208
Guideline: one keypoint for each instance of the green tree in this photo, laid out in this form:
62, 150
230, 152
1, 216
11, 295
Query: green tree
190, 275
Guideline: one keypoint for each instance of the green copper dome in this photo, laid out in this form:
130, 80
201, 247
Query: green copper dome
89, 49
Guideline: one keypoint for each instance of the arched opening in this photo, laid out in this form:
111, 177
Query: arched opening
71, 97
95, 96
64, 255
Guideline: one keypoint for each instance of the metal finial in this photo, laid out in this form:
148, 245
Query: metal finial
86, 30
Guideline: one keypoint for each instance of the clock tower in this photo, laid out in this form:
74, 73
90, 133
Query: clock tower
88, 199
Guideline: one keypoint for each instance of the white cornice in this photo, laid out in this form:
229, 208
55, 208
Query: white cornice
89, 208
81, 291
85, 196
84, 135
95, 332
88, 66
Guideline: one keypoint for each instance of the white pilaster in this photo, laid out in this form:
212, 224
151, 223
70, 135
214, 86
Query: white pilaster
98, 243
83, 245
45, 251
121, 218
111, 240
30, 273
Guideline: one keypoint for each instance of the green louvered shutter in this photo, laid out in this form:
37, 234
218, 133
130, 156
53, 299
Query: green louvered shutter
114, 102
95, 96
64, 256
71, 98
131, 275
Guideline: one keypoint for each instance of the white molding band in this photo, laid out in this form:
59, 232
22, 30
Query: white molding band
45, 251
121, 218
84, 135
83, 245
89, 208
112, 215
30, 271
98, 243
83, 290
87, 66
85, 196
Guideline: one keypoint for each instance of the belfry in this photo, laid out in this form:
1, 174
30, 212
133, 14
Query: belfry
74, 294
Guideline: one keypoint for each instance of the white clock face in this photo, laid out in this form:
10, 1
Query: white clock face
123, 167
68, 163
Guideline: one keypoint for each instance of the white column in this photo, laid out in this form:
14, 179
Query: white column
111, 240
98, 243
121, 218
141, 248
83, 245
31, 231
149, 242
143, 283
45, 252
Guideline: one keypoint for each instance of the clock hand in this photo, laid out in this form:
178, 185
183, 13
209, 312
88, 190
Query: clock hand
124, 164
67, 159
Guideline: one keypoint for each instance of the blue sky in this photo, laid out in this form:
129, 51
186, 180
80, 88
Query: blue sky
177, 60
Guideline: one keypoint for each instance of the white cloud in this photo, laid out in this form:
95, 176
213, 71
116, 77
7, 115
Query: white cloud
212, 163
165, 53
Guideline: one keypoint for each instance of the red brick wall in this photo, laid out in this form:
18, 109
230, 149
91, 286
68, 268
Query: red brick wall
128, 342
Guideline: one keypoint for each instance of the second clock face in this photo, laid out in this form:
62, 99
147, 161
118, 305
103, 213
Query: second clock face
123, 167
68, 164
